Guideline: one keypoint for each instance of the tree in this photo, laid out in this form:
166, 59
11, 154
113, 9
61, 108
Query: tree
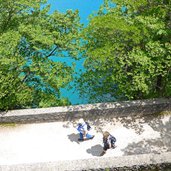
127, 51
29, 37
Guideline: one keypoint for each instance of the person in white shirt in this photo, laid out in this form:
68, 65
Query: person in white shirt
83, 128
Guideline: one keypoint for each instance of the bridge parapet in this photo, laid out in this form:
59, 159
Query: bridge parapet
89, 111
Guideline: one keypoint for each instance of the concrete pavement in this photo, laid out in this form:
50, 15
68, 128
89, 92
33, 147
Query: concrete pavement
57, 141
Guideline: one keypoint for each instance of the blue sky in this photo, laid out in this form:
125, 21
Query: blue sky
85, 7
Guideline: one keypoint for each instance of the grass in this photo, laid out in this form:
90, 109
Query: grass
8, 124
165, 113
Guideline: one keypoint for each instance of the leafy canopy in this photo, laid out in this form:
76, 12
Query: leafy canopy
127, 51
29, 37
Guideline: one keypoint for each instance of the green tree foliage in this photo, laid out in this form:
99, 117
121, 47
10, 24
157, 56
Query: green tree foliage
127, 51
29, 37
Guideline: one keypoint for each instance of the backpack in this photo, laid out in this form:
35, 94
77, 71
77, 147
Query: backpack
112, 139
80, 127
88, 126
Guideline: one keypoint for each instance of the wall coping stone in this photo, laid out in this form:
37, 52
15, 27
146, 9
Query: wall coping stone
100, 163
136, 107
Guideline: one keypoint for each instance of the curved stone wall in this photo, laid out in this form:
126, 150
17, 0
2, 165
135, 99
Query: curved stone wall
90, 111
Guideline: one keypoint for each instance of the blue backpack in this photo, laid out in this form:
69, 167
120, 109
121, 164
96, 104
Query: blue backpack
80, 127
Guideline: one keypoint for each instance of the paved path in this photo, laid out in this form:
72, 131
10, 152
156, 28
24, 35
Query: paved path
43, 142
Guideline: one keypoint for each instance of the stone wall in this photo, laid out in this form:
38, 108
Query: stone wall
143, 162
89, 111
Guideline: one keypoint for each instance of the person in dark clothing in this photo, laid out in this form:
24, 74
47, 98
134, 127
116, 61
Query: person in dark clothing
108, 141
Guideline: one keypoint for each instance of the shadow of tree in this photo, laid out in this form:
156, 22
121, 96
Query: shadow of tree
95, 150
144, 147
159, 145
163, 127
131, 122
74, 137
156, 122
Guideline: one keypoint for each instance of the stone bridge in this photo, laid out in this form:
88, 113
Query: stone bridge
47, 139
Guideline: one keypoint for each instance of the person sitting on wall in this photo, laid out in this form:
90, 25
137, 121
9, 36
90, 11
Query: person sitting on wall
108, 141
83, 128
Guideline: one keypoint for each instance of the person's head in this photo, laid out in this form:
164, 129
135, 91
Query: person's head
81, 121
106, 134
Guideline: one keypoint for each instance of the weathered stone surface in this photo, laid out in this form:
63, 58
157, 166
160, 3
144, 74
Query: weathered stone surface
124, 163
116, 109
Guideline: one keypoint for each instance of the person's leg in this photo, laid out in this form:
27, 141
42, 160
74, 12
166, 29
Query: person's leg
88, 136
81, 136
105, 148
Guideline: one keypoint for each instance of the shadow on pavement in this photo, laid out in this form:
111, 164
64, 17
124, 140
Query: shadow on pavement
144, 147
159, 145
95, 150
74, 137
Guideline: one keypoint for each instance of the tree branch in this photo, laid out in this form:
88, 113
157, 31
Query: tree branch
51, 53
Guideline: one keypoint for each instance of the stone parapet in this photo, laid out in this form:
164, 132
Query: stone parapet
90, 111
124, 163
